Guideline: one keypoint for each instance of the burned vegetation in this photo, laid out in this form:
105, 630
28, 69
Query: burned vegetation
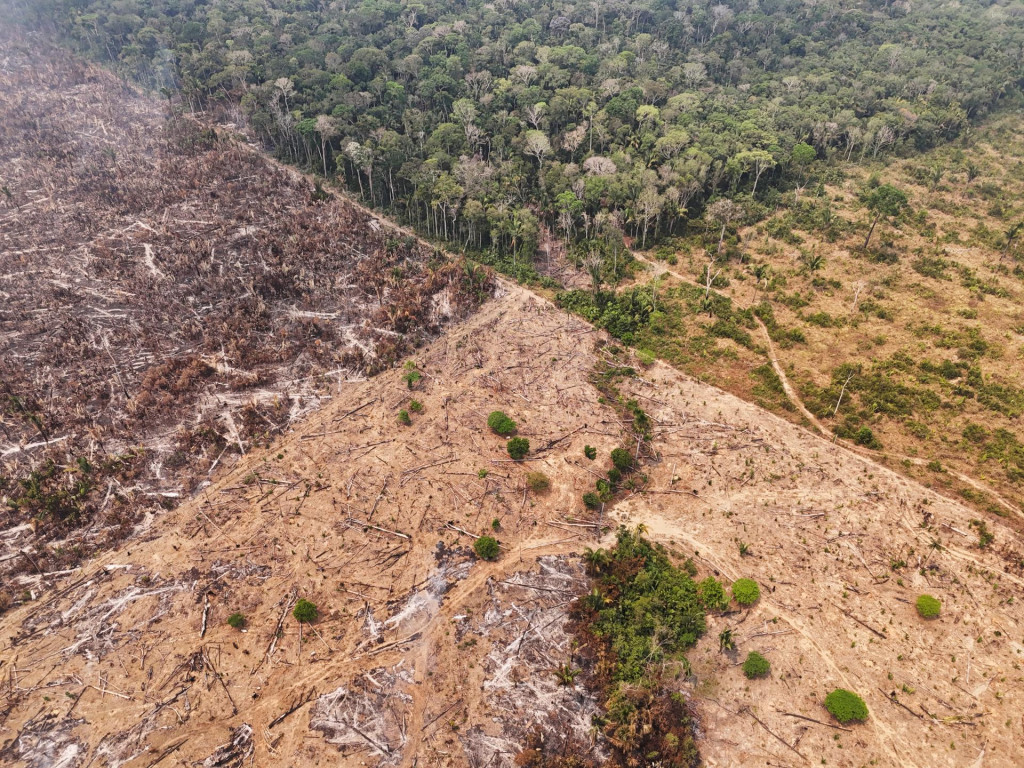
168, 299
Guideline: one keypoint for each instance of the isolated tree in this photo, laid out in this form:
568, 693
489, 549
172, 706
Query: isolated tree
883, 201
1011, 235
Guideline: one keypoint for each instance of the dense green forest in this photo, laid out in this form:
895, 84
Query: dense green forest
482, 123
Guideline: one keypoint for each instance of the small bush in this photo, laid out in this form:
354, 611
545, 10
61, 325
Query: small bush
501, 424
711, 594
846, 706
404, 418
236, 621
486, 548
645, 356
305, 611
756, 666
864, 436
411, 375
538, 481
591, 500
746, 591
518, 447
614, 476
928, 607
590, 452
622, 459
416, 406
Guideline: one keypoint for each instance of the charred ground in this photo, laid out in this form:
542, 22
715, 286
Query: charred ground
168, 299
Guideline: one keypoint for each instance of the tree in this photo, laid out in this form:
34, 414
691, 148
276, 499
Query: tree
756, 160
537, 144
723, 212
327, 128
883, 201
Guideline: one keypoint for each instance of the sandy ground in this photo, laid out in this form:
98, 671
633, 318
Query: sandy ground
423, 653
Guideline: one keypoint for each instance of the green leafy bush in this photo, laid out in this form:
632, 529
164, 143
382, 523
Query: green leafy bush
756, 665
416, 406
590, 452
846, 706
538, 481
411, 375
712, 595
518, 447
622, 459
591, 500
236, 621
501, 424
746, 591
652, 599
305, 611
404, 418
486, 548
928, 607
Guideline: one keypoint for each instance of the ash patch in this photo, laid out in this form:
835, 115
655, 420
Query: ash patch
46, 742
526, 624
369, 714
414, 613
233, 754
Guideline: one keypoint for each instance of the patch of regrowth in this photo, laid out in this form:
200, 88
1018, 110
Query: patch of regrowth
403, 418
538, 482
305, 611
846, 706
501, 424
411, 375
518, 447
745, 591
928, 607
590, 452
756, 665
712, 594
623, 460
236, 621
416, 406
487, 548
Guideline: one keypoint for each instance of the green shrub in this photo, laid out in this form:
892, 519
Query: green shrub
746, 591
538, 481
416, 406
645, 356
928, 607
236, 621
756, 666
614, 476
591, 500
864, 436
712, 595
622, 459
590, 452
501, 424
404, 418
518, 447
411, 375
305, 611
486, 548
846, 706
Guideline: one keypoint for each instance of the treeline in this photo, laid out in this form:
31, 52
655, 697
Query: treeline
484, 122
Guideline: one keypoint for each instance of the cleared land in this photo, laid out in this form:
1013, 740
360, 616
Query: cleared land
169, 298
423, 654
